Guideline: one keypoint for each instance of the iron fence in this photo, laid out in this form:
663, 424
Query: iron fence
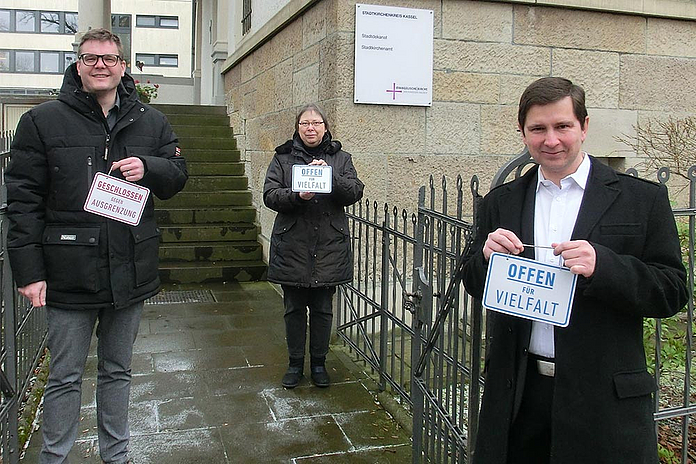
404, 299
403, 265
23, 335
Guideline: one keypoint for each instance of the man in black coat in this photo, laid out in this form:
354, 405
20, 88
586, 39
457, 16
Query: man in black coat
581, 393
82, 266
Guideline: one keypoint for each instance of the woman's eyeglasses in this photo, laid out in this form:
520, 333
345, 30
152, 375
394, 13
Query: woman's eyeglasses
306, 124
109, 60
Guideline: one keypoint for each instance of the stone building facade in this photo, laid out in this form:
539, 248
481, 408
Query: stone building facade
636, 63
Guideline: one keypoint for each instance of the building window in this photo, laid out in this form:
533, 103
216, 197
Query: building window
71, 23
146, 21
25, 62
35, 62
4, 60
152, 59
246, 16
5, 20
167, 22
168, 60
120, 20
25, 21
147, 60
45, 22
68, 59
50, 22
49, 62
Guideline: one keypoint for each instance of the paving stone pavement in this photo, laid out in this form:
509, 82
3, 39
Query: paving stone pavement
206, 389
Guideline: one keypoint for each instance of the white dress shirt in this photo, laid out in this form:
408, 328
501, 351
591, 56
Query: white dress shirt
555, 212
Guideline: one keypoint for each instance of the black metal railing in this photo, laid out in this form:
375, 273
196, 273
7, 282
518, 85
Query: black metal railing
23, 335
406, 298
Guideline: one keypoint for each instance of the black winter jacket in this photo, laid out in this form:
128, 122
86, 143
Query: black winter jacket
88, 261
311, 244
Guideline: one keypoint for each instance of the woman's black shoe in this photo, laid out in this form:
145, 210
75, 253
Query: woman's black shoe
320, 377
292, 377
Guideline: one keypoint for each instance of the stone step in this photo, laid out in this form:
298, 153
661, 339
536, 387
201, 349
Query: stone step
191, 109
208, 231
206, 215
221, 232
177, 120
207, 155
210, 252
205, 199
208, 183
207, 143
196, 168
187, 131
225, 271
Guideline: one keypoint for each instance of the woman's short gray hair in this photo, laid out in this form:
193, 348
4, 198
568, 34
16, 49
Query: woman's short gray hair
311, 107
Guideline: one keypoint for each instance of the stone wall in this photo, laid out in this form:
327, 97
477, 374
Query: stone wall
633, 67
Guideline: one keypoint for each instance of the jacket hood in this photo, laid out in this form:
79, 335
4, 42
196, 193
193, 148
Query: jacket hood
327, 145
71, 90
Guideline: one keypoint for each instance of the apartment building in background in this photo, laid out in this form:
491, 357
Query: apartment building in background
37, 44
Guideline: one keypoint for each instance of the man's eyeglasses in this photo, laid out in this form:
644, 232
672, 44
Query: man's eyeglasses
306, 124
109, 60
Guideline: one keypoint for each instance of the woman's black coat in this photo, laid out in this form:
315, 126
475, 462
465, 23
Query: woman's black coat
311, 244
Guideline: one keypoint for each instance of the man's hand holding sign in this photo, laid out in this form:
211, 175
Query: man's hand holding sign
565, 388
83, 239
525, 288
578, 255
132, 168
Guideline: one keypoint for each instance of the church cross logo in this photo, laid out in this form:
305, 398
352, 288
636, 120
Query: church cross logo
394, 91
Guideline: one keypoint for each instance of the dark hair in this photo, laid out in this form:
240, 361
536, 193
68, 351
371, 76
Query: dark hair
311, 107
550, 90
102, 35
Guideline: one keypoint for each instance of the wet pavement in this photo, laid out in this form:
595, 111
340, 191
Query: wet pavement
206, 389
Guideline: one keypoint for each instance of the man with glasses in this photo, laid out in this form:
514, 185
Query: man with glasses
86, 268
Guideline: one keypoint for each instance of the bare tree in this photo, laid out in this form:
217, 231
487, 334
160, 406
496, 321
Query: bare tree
670, 143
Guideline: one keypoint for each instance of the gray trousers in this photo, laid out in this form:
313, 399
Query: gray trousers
69, 336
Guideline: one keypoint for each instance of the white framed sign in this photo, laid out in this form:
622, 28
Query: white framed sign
393, 55
317, 179
116, 199
529, 289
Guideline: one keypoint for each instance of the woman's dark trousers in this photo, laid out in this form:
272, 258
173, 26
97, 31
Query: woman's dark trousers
319, 302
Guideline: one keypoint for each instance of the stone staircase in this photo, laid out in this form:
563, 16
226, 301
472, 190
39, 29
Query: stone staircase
208, 229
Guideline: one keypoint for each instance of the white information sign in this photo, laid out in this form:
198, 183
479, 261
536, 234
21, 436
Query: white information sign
116, 199
526, 288
317, 179
393, 55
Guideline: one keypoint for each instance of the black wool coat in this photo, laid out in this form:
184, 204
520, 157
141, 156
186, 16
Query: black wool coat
310, 242
87, 261
602, 405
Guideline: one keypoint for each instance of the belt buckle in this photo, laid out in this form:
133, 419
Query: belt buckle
546, 368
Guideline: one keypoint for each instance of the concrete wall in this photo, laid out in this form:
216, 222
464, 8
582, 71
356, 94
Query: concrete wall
633, 67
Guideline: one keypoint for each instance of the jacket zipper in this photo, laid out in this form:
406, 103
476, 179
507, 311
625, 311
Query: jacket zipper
106, 149
89, 170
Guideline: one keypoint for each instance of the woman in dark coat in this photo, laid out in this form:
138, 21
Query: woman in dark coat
311, 249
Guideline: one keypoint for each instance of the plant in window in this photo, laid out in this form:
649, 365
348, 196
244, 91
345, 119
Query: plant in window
146, 91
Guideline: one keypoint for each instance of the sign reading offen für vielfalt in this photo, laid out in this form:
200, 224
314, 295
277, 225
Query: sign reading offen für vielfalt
529, 289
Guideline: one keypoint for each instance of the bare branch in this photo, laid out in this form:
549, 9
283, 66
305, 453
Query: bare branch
670, 143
